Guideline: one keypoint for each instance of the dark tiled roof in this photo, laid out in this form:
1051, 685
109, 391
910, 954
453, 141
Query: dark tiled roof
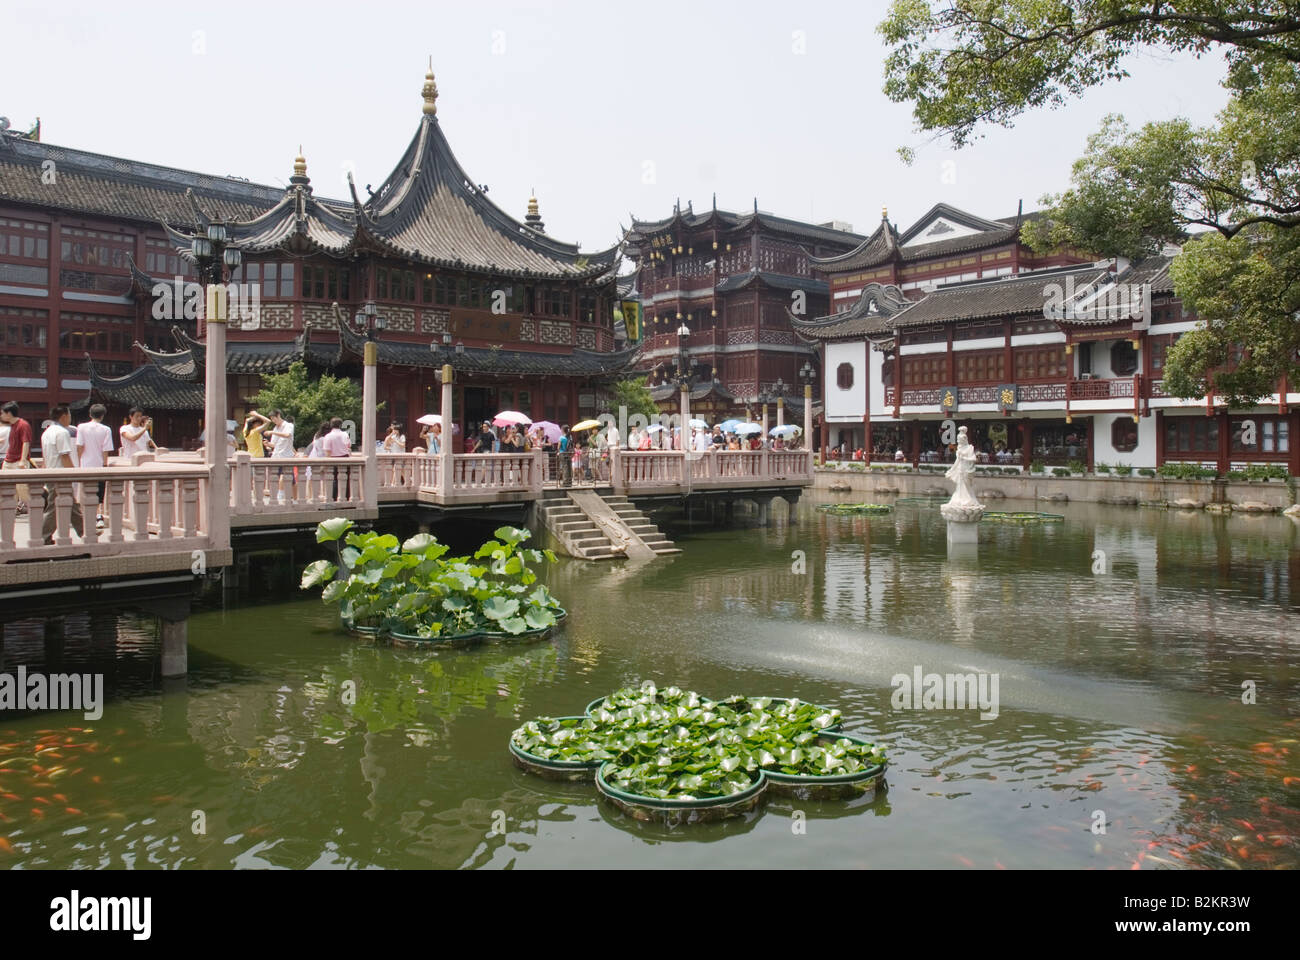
429, 210
92, 183
146, 387
665, 391
872, 313
1024, 294
777, 281
887, 243
1155, 271
726, 221
583, 363
242, 356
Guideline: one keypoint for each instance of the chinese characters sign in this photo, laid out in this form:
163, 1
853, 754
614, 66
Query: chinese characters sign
948, 399
1007, 397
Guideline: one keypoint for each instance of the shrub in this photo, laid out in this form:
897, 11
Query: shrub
1102, 469
1037, 466
1123, 470
1060, 471
1236, 474
1076, 466
1276, 471
1146, 472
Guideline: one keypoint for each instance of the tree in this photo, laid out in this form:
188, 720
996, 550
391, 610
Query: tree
1234, 185
309, 402
634, 395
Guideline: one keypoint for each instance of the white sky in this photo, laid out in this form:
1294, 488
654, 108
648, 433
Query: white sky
579, 98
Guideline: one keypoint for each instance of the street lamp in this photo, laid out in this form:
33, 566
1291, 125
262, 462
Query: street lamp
807, 376
368, 318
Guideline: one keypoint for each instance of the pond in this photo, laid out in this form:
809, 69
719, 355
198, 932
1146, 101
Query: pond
1120, 707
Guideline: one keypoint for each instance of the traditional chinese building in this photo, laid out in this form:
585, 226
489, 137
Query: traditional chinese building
1059, 365
526, 320
730, 279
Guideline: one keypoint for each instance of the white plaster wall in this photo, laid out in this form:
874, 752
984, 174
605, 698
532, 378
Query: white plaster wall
876, 393
851, 402
1143, 456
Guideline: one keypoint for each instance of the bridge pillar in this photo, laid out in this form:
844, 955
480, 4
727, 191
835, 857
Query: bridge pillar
214, 417
369, 428
448, 447
764, 519
175, 648
792, 505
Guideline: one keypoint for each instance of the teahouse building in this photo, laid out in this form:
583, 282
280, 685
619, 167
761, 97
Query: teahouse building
525, 320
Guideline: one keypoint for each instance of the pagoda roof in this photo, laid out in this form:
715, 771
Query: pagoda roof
488, 360
242, 356
147, 387
887, 245
727, 222
665, 391
872, 313
777, 281
93, 183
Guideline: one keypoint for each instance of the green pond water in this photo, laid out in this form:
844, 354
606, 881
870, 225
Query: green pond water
1120, 702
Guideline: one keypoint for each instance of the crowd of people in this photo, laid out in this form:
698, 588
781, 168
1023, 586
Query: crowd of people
583, 454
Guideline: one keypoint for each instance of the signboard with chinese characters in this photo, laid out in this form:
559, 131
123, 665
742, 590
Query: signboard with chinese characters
948, 399
1007, 397
632, 320
484, 326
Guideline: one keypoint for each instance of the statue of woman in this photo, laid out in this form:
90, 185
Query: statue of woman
960, 471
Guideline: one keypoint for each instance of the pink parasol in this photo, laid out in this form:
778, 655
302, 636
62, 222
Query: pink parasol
508, 417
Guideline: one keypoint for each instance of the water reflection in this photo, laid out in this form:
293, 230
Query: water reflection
1120, 691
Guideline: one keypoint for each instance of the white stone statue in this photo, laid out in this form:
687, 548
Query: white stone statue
962, 511
960, 471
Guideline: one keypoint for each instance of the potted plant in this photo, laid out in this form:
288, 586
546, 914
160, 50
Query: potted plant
1102, 470
1037, 467
1123, 470
1146, 472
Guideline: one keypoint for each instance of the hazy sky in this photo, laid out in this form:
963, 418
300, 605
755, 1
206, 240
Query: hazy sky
584, 101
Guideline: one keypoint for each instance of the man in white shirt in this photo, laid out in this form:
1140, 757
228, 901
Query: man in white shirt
135, 434
94, 445
612, 435
282, 448
58, 451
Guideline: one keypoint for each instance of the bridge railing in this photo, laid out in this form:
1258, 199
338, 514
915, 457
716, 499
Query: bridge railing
712, 469
264, 485
486, 473
150, 507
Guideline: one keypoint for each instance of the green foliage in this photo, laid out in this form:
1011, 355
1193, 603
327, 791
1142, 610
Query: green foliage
965, 63
854, 509
411, 589
634, 395
1186, 471
1265, 471
1146, 472
1076, 466
1060, 471
675, 744
1037, 466
1102, 469
1123, 470
1237, 475
309, 402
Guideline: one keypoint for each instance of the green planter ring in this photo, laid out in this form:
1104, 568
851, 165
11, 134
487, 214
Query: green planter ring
675, 812
842, 786
572, 770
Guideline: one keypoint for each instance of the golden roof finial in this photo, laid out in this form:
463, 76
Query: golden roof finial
884, 213
300, 164
430, 92
532, 204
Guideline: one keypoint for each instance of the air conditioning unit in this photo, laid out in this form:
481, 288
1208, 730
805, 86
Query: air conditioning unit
1085, 376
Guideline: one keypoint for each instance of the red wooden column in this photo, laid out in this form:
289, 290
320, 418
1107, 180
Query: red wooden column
1294, 440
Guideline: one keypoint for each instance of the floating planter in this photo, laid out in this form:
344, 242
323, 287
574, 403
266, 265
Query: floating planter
410, 595
674, 756
855, 509
998, 516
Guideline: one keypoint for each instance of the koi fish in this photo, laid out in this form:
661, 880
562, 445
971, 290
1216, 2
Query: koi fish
61, 798
6, 846
75, 812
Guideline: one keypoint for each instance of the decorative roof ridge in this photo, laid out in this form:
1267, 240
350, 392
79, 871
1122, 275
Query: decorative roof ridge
947, 210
